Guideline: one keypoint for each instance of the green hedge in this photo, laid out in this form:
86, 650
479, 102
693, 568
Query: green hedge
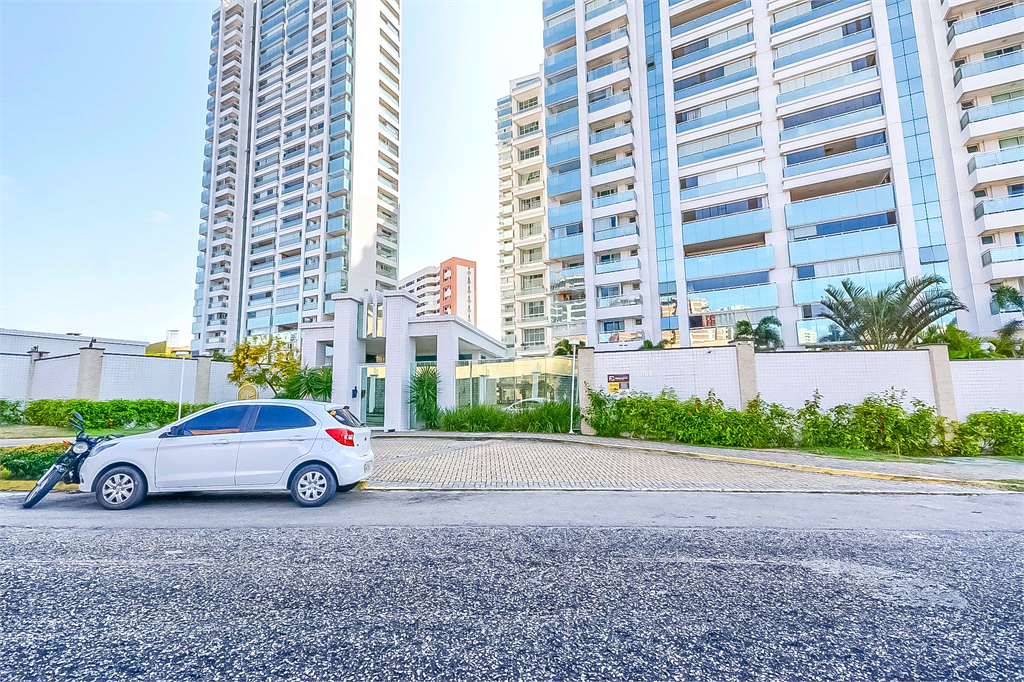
879, 423
116, 414
550, 417
12, 411
30, 462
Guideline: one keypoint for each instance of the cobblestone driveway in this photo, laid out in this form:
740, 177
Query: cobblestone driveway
435, 463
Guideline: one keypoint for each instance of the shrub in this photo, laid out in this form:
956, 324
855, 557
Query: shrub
12, 412
999, 433
472, 418
107, 414
29, 462
423, 396
549, 417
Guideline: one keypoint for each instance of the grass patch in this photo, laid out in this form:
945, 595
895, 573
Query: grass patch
873, 456
27, 431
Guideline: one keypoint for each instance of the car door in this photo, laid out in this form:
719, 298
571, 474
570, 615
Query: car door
202, 451
279, 435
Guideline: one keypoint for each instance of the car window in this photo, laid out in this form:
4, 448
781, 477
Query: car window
224, 420
280, 417
343, 416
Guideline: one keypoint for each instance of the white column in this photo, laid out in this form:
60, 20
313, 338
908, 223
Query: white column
447, 356
399, 354
349, 353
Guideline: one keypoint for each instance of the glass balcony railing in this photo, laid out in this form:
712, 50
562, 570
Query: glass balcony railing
621, 336
843, 205
722, 186
563, 120
709, 18
837, 160
560, 91
600, 7
850, 244
606, 233
607, 70
726, 226
716, 83
1003, 156
1007, 255
831, 84
619, 301
1001, 205
560, 61
712, 49
563, 152
813, 290
724, 150
563, 183
566, 246
607, 102
617, 265
718, 117
984, 20
824, 124
609, 199
821, 333
610, 133
730, 262
559, 32
567, 278
1005, 108
602, 40
565, 214
816, 13
825, 48
609, 166
1005, 61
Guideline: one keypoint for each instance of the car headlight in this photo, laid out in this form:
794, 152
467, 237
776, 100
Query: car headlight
80, 448
103, 446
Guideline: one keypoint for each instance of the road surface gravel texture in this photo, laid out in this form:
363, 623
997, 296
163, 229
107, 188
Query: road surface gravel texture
514, 586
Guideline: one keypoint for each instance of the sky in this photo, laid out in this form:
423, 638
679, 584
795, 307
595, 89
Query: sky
103, 110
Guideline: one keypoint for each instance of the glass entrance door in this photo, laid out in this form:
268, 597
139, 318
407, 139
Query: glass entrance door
372, 394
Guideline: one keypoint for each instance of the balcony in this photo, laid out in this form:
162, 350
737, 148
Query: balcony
611, 134
849, 244
621, 336
843, 205
599, 41
832, 123
727, 226
562, 90
999, 214
971, 76
617, 266
609, 166
559, 32
602, 7
715, 83
976, 24
604, 234
722, 186
816, 13
619, 301
710, 18
825, 48
837, 160
563, 183
712, 50
567, 279
607, 70
730, 262
992, 119
563, 312
826, 86
560, 61
608, 102
565, 247
1003, 263
565, 214
611, 199
717, 152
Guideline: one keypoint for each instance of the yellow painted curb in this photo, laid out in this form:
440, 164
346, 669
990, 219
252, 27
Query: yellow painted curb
25, 486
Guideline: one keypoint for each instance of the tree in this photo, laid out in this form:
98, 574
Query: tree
1008, 343
766, 335
1007, 298
266, 363
894, 317
312, 383
959, 343
220, 356
423, 396
562, 348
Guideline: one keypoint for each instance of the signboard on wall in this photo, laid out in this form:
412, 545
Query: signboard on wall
617, 382
248, 392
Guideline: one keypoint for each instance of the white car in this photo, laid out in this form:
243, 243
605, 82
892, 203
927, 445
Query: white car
312, 449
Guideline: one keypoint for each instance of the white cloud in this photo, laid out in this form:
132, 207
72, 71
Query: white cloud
161, 217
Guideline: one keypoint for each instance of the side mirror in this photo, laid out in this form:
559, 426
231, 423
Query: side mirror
173, 432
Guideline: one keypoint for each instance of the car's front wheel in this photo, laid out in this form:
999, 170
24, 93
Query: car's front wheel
122, 487
313, 485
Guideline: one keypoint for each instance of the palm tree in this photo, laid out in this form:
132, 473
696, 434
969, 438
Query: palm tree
959, 343
765, 335
1006, 297
313, 383
894, 317
562, 348
1007, 343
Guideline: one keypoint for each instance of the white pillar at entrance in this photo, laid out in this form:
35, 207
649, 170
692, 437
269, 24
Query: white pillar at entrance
447, 356
399, 356
349, 353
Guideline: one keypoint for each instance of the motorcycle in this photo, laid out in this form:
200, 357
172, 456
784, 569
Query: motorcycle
67, 465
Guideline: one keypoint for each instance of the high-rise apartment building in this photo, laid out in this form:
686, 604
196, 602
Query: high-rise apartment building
445, 289
709, 161
300, 192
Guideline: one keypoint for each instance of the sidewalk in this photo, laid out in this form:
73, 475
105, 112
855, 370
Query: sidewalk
932, 469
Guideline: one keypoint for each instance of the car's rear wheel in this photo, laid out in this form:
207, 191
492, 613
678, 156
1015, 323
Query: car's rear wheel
313, 485
122, 487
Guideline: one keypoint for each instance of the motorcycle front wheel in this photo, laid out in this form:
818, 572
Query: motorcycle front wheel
43, 486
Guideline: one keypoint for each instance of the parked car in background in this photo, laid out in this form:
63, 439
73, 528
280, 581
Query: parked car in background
308, 448
526, 404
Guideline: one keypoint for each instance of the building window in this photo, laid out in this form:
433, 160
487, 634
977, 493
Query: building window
525, 154
533, 309
447, 293
533, 337
447, 273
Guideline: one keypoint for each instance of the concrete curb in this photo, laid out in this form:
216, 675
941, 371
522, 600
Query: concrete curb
25, 486
635, 446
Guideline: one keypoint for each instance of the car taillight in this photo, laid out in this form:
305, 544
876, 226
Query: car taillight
343, 436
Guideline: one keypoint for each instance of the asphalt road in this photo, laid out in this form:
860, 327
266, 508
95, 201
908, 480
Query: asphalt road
515, 585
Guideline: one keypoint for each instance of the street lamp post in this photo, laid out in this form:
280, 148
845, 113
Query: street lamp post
181, 381
575, 343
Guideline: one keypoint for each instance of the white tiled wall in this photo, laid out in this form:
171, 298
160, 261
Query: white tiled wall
130, 377
688, 371
13, 376
222, 390
981, 385
842, 377
56, 377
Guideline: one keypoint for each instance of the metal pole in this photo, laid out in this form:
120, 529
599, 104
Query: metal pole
572, 389
181, 386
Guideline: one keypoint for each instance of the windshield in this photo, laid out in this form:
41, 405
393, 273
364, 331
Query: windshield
345, 417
